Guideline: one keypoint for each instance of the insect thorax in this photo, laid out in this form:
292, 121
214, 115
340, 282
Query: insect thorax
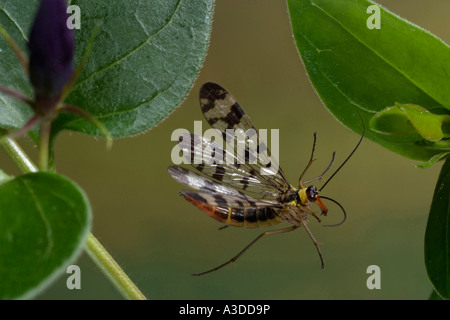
294, 197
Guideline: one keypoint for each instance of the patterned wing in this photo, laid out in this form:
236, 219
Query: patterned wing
208, 158
201, 183
224, 113
225, 204
227, 200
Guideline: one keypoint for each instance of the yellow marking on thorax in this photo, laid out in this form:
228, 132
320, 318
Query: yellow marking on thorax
303, 196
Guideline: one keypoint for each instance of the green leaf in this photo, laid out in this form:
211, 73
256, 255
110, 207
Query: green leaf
143, 63
437, 235
4, 177
433, 160
435, 296
409, 118
44, 220
428, 125
391, 121
354, 68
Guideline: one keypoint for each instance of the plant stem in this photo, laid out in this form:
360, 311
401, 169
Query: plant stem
20, 158
112, 270
44, 144
93, 247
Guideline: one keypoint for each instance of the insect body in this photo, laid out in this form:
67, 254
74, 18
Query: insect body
244, 193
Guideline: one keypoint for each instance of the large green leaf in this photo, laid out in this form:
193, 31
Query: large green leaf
357, 69
437, 235
143, 63
435, 296
44, 220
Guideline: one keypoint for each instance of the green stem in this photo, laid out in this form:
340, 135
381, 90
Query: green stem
20, 158
112, 270
44, 144
93, 247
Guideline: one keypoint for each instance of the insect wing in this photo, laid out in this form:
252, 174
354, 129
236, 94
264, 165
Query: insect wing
227, 200
207, 157
224, 113
201, 183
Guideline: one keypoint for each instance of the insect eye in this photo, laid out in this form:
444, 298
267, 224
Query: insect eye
311, 193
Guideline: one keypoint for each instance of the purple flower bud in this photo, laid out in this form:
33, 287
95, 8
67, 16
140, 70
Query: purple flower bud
51, 45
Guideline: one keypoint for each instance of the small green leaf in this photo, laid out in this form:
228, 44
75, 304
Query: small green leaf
433, 160
427, 124
44, 220
355, 69
437, 235
142, 65
409, 118
391, 121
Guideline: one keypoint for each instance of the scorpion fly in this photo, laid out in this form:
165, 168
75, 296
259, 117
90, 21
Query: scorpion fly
238, 193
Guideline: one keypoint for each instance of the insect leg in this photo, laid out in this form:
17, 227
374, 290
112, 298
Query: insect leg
311, 160
267, 233
323, 173
315, 243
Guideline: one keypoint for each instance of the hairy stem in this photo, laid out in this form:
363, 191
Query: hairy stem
20, 158
93, 247
17, 95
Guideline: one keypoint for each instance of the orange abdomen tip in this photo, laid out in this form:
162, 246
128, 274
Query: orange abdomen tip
218, 213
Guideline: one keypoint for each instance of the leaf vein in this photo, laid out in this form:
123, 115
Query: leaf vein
370, 48
113, 63
44, 219
14, 22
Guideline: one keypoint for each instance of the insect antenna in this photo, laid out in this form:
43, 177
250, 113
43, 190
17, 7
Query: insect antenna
343, 210
348, 158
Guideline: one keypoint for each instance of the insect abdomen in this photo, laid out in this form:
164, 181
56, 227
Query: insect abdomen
251, 217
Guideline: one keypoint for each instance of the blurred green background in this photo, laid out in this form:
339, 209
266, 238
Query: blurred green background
160, 239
